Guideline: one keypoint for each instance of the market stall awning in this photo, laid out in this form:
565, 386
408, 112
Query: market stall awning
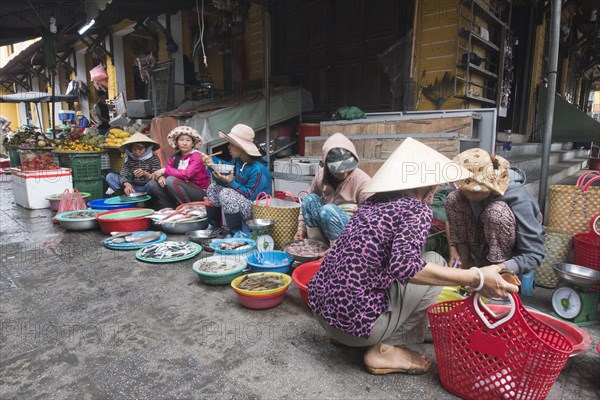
36, 97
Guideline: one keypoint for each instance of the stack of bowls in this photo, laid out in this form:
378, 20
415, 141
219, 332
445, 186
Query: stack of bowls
126, 220
261, 299
54, 199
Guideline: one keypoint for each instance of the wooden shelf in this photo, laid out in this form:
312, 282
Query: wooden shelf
481, 41
478, 70
480, 99
483, 10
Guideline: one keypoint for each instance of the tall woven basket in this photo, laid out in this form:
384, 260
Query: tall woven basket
557, 243
572, 207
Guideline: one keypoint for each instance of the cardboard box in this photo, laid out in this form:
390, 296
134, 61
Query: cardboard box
139, 108
30, 188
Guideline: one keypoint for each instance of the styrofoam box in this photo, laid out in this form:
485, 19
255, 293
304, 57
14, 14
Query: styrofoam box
31, 187
139, 108
291, 186
293, 166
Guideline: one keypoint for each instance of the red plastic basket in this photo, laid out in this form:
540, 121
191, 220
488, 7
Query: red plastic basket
482, 355
587, 246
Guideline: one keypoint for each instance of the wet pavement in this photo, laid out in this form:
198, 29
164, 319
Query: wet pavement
79, 321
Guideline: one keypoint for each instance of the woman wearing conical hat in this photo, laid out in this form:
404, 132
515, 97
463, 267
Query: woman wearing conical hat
140, 162
492, 218
374, 287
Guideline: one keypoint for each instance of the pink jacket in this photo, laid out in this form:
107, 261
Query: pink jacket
190, 169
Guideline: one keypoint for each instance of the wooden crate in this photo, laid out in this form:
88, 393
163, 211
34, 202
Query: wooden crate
380, 147
462, 125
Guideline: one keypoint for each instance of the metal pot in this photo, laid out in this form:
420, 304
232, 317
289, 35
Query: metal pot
181, 228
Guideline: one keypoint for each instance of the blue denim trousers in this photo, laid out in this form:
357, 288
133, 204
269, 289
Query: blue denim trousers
329, 217
112, 178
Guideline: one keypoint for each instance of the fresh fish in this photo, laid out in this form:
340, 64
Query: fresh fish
167, 250
233, 245
145, 238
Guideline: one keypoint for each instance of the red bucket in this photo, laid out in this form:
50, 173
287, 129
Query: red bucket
304, 131
303, 274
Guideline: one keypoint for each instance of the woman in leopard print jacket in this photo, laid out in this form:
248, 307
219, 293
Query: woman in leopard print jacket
374, 287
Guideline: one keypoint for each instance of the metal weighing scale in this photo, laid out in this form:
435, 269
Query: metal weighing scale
261, 233
573, 301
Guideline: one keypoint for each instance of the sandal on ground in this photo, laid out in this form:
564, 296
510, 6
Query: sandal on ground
419, 364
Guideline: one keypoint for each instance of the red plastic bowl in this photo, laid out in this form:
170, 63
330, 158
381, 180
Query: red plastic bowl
302, 275
125, 220
579, 338
261, 303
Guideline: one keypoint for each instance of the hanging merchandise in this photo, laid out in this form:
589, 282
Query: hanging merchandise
99, 77
508, 76
145, 64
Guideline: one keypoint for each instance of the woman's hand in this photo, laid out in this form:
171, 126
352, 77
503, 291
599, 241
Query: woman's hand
300, 234
162, 181
206, 160
453, 254
139, 173
157, 174
225, 178
127, 188
493, 283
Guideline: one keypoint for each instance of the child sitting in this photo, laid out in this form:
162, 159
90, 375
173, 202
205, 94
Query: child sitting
140, 162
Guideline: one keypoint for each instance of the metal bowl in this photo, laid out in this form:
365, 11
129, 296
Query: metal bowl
260, 224
206, 245
201, 235
77, 224
576, 274
306, 257
181, 228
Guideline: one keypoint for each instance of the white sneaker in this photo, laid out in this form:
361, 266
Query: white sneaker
109, 191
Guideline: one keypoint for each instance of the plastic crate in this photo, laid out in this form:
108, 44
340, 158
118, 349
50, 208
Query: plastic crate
95, 188
85, 167
116, 157
14, 156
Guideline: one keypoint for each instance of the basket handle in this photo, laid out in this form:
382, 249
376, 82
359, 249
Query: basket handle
504, 317
290, 194
265, 196
593, 224
589, 183
582, 178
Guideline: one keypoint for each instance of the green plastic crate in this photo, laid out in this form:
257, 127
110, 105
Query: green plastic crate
84, 167
14, 158
95, 188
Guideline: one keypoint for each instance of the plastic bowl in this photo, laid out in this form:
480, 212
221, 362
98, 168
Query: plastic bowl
129, 220
101, 205
303, 274
578, 337
262, 293
219, 278
261, 303
222, 168
54, 200
272, 261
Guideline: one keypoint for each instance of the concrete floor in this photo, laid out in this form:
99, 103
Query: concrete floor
79, 321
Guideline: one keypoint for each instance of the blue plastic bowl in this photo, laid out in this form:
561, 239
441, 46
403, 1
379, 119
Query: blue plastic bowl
101, 205
272, 261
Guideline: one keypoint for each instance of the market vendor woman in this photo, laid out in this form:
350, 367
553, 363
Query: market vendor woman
184, 179
139, 164
374, 287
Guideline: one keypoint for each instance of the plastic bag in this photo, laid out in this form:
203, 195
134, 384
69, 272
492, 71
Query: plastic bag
70, 201
98, 73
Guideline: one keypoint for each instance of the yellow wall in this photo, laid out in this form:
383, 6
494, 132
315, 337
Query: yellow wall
254, 43
435, 49
11, 112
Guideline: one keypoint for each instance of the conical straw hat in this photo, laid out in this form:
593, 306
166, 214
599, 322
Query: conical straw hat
414, 165
139, 137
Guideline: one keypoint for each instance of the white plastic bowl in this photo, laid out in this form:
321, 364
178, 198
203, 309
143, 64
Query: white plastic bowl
222, 168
